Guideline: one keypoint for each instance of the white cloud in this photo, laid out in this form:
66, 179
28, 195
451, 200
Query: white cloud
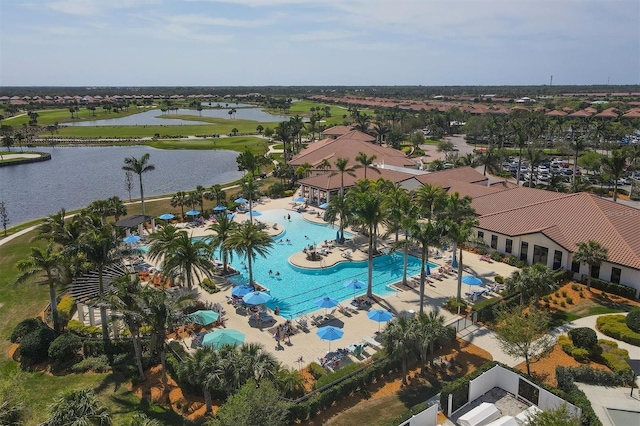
220, 22
95, 7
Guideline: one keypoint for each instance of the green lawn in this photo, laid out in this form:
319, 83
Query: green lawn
62, 115
238, 143
225, 125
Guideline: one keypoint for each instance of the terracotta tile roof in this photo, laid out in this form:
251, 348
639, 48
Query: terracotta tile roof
632, 113
327, 181
337, 130
608, 113
349, 146
444, 177
556, 113
574, 218
513, 198
581, 114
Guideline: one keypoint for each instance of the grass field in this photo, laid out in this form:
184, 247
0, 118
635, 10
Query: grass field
62, 115
225, 125
238, 143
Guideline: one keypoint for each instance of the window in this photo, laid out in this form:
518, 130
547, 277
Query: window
480, 234
595, 271
494, 241
540, 254
524, 251
575, 267
557, 259
508, 247
615, 275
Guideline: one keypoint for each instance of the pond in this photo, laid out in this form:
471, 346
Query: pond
76, 176
152, 117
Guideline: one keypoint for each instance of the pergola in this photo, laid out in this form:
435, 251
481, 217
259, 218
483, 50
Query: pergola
135, 220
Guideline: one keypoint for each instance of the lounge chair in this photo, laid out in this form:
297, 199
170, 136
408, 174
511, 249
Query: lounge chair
486, 258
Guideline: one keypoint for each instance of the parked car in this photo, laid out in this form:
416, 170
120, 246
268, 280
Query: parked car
624, 181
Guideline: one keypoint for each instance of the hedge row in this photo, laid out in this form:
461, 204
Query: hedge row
80, 329
615, 358
615, 326
571, 393
338, 374
613, 288
459, 388
593, 376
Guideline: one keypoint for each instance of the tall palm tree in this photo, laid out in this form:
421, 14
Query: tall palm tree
284, 133
250, 190
223, 228
367, 210
459, 234
116, 208
160, 241
400, 341
429, 329
198, 195
78, 407
396, 202
99, 246
535, 280
366, 162
203, 369
257, 363
39, 261
615, 166
126, 301
250, 241
339, 210
428, 199
139, 166
187, 259
341, 169
162, 310
180, 199
592, 253
426, 234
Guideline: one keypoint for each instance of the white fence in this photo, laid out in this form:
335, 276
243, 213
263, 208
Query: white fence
428, 417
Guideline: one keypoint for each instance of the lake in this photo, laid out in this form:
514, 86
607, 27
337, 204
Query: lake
76, 176
151, 117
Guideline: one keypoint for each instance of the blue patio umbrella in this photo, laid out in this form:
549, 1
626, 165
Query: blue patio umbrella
379, 316
204, 317
242, 290
166, 216
131, 239
192, 213
324, 205
355, 285
254, 213
337, 235
219, 338
471, 280
326, 303
428, 272
219, 208
300, 200
330, 333
454, 262
256, 298
231, 216
241, 200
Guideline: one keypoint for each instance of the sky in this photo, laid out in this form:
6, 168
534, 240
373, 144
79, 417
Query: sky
325, 42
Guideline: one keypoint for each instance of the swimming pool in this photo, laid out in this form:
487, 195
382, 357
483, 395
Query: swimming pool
296, 289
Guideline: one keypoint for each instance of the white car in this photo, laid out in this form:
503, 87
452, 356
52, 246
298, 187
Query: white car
624, 181
455, 148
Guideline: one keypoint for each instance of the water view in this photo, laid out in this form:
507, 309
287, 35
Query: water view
153, 117
76, 176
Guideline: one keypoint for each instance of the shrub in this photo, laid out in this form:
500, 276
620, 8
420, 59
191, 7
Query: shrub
34, 347
341, 372
593, 376
546, 298
580, 354
583, 337
575, 287
566, 345
97, 364
496, 257
66, 308
564, 293
512, 260
581, 295
499, 279
615, 358
481, 250
316, 370
613, 288
615, 326
209, 286
452, 305
25, 327
65, 348
633, 320
80, 329
569, 300
557, 294
563, 304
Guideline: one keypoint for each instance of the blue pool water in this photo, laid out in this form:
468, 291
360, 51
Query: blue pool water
296, 289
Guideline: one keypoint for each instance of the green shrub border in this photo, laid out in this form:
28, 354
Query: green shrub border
616, 326
609, 287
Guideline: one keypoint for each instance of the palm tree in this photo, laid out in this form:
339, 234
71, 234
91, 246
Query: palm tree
180, 199
430, 328
187, 259
325, 164
381, 131
592, 253
257, 363
116, 208
342, 168
203, 370
284, 133
339, 209
459, 234
40, 261
216, 193
198, 195
139, 166
250, 241
250, 190
535, 280
162, 310
77, 407
367, 210
160, 241
400, 341
99, 246
223, 228
426, 234
428, 199
615, 166
126, 301
304, 170
366, 162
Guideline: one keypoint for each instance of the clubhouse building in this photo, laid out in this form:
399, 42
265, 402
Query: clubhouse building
535, 225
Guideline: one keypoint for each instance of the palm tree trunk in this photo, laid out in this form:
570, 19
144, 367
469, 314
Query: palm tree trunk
423, 360
589, 279
406, 262
460, 276
53, 301
103, 308
370, 269
141, 194
138, 351
404, 370
250, 267
423, 274
207, 401
165, 385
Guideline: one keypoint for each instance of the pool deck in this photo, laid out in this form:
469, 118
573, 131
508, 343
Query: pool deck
357, 327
